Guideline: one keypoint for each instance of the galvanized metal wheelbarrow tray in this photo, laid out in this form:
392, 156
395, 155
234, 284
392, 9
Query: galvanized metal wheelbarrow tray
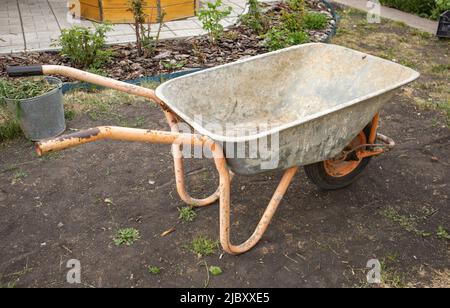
316, 103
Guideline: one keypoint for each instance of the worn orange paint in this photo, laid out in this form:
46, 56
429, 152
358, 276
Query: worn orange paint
118, 133
340, 167
374, 128
179, 170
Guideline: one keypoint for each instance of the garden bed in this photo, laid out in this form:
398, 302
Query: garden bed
239, 41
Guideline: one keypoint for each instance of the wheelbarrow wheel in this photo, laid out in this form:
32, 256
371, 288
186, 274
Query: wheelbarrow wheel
336, 174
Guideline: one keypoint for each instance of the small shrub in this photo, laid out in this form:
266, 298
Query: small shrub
298, 6
424, 8
126, 236
145, 42
292, 21
441, 7
85, 48
278, 38
291, 29
254, 19
315, 21
204, 246
210, 17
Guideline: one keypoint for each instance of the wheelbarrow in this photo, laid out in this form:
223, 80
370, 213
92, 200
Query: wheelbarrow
315, 104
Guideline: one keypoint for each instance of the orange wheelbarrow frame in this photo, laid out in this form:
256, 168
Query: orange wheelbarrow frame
176, 139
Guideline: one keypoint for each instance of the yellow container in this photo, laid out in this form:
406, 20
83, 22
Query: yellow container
117, 11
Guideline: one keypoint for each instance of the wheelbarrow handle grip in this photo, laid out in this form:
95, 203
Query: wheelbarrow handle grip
24, 71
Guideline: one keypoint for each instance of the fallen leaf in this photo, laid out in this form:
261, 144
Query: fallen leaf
167, 232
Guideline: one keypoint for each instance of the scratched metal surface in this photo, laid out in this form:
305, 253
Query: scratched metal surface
316, 97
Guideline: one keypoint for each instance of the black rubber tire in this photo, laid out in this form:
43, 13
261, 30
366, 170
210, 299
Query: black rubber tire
317, 174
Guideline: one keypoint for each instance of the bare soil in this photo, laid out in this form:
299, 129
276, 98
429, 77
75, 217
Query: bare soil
54, 209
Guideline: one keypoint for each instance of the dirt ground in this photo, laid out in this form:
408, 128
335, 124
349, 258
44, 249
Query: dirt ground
69, 205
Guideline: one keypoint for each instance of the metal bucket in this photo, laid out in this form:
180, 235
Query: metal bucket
41, 117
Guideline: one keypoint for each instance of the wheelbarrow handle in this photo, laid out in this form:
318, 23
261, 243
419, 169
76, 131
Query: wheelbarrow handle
24, 71
69, 72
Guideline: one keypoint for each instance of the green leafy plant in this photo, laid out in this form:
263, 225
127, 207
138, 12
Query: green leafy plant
127, 236
290, 31
155, 270
298, 6
69, 114
85, 48
215, 270
291, 21
204, 246
441, 7
278, 38
424, 8
145, 42
18, 176
24, 88
442, 233
173, 65
187, 214
254, 19
210, 17
315, 21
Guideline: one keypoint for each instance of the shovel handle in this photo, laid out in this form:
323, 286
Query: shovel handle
24, 71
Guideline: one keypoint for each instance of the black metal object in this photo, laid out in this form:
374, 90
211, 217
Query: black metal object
444, 25
24, 71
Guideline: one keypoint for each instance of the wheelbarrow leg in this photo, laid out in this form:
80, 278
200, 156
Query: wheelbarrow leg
179, 170
225, 187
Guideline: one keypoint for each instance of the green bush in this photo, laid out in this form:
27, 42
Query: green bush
315, 21
290, 31
298, 6
278, 38
441, 7
211, 16
292, 21
254, 19
424, 8
85, 48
